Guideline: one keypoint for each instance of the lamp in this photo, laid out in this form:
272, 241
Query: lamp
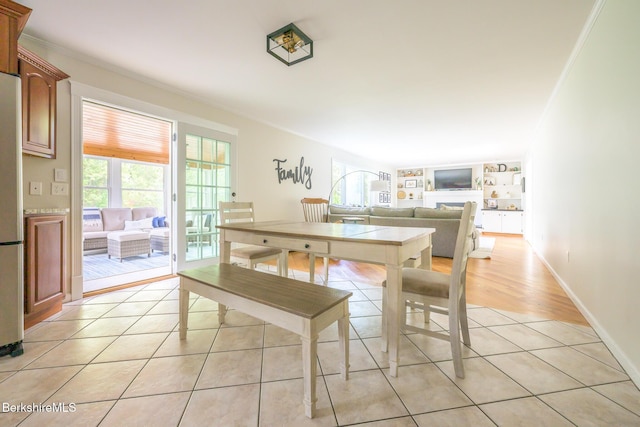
378, 185
290, 45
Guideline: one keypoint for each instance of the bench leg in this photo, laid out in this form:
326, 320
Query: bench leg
184, 312
222, 311
343, 334
309, 368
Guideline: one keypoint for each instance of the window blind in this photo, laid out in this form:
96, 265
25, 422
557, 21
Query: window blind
112, 132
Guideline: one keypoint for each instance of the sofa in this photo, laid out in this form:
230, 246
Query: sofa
124, 231
446, 221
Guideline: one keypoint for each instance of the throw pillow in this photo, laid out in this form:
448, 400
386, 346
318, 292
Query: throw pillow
142, 224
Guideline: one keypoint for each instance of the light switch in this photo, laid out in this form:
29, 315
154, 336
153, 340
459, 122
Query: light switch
35, 188
60, 175
58, 189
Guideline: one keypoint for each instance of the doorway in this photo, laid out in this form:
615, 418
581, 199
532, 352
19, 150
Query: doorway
175, 184
126, 188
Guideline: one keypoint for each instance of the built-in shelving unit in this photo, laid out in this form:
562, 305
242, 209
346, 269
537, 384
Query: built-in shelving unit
502, 186
497, 189
502, 198
411, 185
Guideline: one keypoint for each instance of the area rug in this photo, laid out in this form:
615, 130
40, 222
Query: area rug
484, 248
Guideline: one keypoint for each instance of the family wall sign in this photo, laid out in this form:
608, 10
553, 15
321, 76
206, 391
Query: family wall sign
300, 174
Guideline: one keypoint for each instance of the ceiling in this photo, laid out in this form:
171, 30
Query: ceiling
404, 82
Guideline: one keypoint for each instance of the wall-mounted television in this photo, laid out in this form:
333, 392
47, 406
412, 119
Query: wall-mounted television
453, 179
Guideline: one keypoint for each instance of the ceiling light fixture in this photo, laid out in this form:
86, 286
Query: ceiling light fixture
290, 45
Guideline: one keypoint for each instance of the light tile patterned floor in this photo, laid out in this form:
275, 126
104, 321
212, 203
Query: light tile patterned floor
116, 360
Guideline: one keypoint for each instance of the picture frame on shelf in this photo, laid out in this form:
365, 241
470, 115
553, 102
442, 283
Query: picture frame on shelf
492, 203
411, 183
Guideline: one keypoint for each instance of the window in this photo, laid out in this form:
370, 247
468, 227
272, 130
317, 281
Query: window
117, 183
351, 185
95, 182
142, 185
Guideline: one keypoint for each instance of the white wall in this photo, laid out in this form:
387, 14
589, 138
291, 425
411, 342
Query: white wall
257, 143
585, 201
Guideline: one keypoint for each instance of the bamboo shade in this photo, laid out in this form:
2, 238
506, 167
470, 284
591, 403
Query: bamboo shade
111, 132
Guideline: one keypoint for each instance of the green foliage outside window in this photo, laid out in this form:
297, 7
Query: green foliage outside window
140, 184
95, 179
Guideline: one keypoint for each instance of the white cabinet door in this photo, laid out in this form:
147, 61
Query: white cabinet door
502, 222
491, 221
512, 222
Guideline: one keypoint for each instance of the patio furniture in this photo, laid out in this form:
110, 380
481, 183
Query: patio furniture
123, 244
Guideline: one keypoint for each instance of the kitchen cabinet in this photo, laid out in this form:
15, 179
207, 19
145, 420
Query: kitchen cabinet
13, 18
45, 249
39, 81
495, 221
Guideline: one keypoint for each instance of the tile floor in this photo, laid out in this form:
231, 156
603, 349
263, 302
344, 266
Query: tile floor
116, 360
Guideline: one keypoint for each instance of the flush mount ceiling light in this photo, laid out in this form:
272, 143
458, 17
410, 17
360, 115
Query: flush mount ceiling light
290, 45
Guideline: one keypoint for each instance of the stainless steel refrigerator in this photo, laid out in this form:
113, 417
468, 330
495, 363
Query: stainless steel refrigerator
11, 220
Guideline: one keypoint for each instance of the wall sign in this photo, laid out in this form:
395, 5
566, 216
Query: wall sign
299, 175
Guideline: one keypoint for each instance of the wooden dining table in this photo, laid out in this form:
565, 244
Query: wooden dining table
377, 244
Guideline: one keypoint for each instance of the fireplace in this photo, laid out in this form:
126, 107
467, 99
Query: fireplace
450, 204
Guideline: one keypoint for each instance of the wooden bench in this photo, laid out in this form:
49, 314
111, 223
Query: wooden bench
299, 307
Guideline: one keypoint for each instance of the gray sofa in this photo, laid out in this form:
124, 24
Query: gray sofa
445, 220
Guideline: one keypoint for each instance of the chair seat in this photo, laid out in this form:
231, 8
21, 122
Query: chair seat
254, 252
425, 282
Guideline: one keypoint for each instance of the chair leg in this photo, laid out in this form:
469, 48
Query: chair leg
454, 338
279, 264
464, 323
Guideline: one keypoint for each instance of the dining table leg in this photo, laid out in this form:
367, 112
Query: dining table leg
225, 248
393, 306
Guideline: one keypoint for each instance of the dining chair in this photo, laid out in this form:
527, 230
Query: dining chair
317, 210
433, 291
250, 255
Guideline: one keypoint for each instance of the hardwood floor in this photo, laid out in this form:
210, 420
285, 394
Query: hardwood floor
514, 279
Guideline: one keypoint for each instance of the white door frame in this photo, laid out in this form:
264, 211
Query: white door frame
80, 91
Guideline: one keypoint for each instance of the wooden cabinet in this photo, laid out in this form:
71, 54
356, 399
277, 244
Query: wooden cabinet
503, 221
13, 18
39, 80
45, 249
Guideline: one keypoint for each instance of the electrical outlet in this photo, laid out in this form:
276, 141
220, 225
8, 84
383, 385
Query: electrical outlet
35, 188
58, 189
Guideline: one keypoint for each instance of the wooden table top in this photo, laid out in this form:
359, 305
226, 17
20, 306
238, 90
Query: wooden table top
363, 233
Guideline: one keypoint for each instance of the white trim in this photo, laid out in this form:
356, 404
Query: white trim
582, 39
611, 344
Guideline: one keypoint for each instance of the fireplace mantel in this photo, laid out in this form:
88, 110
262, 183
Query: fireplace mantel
432, 198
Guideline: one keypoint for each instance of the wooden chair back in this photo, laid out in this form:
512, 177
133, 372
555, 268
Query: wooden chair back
315, 209
462, 249
236, 212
